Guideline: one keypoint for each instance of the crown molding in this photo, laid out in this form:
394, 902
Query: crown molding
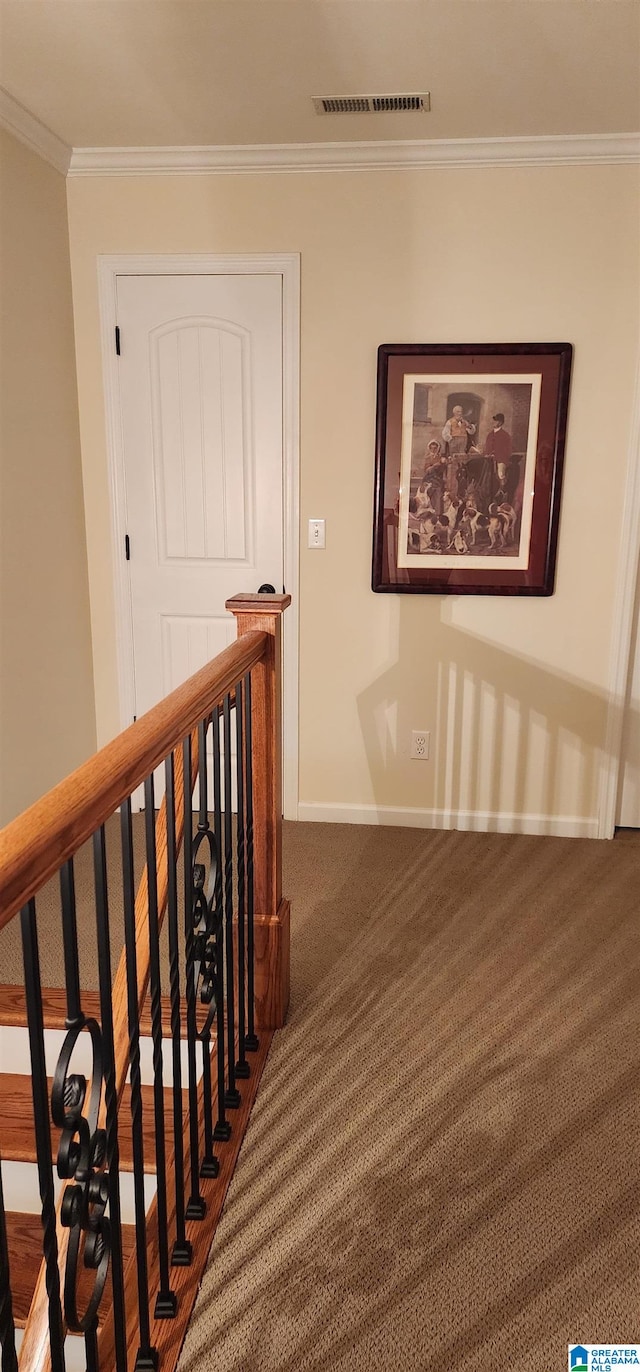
389, 155
569, 150
35, 136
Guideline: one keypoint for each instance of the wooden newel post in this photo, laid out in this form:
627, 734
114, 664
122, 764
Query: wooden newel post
271, 917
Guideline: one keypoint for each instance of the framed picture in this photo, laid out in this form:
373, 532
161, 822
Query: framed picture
469, 454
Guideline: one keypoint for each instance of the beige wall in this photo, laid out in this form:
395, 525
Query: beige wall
512, 690
46, 685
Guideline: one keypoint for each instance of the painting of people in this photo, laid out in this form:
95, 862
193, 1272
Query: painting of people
467, 474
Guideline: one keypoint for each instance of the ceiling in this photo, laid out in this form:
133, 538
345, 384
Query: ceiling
145, 73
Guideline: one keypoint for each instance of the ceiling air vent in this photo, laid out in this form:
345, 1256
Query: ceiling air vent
371, 104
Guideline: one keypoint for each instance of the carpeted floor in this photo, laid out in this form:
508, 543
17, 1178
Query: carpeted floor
442, 1168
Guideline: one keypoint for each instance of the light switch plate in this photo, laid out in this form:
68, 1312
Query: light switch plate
316, 533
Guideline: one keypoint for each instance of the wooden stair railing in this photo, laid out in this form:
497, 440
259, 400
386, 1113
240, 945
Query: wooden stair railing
35, 1347
230, 952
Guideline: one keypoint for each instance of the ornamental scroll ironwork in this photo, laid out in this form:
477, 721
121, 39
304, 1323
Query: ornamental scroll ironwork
206, 913
81, 1156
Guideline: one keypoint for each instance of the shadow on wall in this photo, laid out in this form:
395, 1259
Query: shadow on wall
509, 737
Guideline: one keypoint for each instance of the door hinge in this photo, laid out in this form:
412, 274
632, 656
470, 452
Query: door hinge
127, 547
118, 339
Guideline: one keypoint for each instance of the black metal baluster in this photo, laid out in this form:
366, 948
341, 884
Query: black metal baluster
147, 1357
210, 1165
222, 1130
196, 1206
7, 1328
166, 1300
251, 1042
75, 1110
91, 1348
232, 1096
75, 1016
203, 810
111, 1104
243, 1069
181, 1252
40, 1093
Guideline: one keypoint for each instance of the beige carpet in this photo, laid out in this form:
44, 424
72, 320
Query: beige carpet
442, 1171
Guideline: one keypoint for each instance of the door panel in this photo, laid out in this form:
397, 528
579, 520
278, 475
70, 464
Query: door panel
204, 471
201, 389
189, 642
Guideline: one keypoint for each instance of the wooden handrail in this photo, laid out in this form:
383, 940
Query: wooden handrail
36, 844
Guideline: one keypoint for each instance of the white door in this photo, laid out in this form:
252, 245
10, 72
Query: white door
200, 372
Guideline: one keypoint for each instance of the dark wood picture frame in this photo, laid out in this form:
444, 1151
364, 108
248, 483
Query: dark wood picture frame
469, 457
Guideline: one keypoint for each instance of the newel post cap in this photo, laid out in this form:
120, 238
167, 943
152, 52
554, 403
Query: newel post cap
251, 603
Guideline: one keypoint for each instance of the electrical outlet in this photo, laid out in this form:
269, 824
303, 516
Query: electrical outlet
420, 744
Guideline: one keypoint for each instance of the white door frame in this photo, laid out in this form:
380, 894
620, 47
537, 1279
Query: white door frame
287, 266
621, 642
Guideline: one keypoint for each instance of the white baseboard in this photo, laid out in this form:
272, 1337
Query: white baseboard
477, 821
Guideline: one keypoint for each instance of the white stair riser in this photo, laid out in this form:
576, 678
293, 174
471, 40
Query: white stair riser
20, 1184
15, 1056
75, 1359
